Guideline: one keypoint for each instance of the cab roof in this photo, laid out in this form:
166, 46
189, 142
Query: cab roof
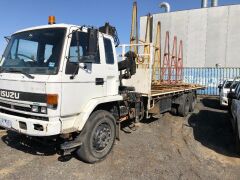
68, 26
47, 26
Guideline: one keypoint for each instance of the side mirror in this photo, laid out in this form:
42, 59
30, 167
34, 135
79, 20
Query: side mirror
93, 41
220, 86
92, 48
7, 38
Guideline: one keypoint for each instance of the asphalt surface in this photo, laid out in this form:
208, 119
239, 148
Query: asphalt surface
200, 146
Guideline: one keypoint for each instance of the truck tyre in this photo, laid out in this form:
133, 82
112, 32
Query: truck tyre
193, 101
98, 137
174, 110
183, 108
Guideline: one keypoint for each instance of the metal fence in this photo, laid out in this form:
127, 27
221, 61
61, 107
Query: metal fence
209, 77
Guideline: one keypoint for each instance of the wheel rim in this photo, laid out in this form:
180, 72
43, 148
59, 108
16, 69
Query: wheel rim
102, 137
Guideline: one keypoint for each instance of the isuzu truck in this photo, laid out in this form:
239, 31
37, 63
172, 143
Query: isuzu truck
66, 81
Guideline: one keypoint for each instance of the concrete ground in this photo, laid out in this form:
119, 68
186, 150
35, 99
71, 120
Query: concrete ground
200, 146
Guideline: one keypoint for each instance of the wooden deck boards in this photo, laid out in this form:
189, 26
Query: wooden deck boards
171, 88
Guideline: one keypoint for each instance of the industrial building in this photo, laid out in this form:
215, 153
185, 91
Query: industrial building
210, 35
210, 38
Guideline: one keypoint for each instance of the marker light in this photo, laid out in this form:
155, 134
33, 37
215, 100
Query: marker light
52, 100
51, 20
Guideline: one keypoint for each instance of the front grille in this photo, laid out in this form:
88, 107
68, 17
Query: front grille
10, 106
28, 109
23, 115
5, 105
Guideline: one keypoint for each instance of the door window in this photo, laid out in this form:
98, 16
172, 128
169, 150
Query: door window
108, 51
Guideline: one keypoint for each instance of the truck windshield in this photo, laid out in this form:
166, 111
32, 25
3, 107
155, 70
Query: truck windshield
34, 52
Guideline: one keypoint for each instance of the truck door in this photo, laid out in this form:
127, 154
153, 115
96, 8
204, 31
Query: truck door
90, 79
112, 77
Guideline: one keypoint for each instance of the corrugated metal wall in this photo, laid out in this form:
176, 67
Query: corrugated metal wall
210, 35
209, 77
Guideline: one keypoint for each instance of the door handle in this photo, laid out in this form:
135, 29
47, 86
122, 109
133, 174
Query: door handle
99, 81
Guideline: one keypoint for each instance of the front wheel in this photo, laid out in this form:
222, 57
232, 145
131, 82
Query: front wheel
98, 137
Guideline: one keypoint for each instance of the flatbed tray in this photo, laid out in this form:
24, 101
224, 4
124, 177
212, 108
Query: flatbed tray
166, 89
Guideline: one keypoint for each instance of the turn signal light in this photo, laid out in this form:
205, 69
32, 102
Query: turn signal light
51, 20
52, 100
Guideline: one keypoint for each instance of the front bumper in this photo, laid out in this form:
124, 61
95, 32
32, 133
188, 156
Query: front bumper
31, 127
224, 101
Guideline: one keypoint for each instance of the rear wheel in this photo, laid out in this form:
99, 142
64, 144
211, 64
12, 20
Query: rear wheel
98, 137
183, 108
193, 102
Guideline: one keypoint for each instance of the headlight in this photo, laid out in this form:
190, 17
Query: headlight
44, 110
35, 109
39, 109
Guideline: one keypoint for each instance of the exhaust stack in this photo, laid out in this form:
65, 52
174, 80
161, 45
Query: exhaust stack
214, 3
166, 6
204, 3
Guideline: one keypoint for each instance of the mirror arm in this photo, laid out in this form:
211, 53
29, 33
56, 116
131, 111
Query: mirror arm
75, 72
7, 38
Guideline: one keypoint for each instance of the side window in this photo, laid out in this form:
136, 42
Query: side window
237, 90
108, 51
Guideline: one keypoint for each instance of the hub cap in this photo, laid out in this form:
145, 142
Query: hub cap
101, 137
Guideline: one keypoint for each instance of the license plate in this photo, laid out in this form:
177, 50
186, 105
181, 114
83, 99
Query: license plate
5, 123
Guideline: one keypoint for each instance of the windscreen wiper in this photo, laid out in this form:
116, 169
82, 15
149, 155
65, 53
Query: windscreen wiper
17, 71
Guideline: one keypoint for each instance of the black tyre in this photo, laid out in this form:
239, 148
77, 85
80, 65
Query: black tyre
183, 108
193, 102
98, 137
174, 109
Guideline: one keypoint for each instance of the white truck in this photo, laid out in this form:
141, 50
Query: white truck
65, 81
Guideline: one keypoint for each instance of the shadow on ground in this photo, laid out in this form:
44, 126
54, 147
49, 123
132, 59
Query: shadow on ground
212, 103
213, 130
27, 145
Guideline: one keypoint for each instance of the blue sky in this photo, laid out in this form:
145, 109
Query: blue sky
19, 14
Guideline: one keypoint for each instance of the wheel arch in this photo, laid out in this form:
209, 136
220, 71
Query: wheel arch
103, 103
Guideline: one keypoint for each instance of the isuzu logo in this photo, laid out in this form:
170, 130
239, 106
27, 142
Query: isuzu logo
9, 94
